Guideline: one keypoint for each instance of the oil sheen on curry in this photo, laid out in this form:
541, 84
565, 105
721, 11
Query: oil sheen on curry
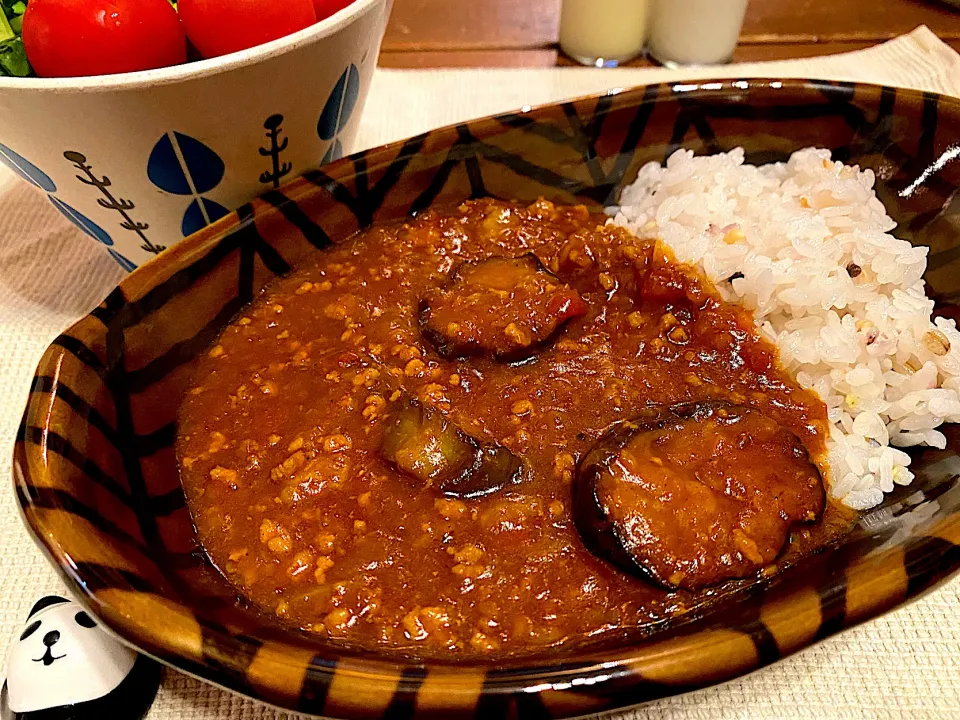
495, 430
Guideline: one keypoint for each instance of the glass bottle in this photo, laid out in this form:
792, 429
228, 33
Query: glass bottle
695, 32
603, 33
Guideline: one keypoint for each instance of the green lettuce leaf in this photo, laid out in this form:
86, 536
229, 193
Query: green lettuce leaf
13, 57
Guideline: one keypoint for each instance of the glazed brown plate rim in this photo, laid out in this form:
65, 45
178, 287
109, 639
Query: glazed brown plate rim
721, 652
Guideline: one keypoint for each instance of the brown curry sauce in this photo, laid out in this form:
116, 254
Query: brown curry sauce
280, 437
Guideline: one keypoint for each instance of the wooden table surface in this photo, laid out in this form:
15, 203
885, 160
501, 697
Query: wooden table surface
523, 33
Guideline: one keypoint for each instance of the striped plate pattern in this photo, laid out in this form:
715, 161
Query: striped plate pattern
94, 466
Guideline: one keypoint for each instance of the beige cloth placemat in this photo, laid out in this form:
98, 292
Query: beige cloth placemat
904, 665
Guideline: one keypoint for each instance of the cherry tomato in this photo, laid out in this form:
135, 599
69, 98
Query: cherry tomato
326, 8
71, 38
218, 27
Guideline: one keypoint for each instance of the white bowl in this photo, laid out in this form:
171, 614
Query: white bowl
141, 160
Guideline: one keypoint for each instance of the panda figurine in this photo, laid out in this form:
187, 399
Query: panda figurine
65, 667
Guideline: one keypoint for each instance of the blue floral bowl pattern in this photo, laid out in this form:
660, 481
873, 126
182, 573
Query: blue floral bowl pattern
142, 160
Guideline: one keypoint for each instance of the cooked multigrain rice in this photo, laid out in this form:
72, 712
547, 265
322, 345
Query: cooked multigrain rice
807, 246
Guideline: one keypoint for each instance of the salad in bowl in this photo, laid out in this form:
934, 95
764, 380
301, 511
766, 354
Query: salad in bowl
143, 121
68, 38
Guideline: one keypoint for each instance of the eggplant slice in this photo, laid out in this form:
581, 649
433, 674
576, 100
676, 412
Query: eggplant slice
696, 494
423, 444
503, 307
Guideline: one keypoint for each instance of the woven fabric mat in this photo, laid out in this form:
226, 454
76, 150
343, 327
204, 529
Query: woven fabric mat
903, 665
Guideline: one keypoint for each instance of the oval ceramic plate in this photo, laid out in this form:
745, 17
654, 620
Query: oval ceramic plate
96, 475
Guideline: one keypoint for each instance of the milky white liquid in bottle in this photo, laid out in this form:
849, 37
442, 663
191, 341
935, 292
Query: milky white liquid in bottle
695, 32
603, 33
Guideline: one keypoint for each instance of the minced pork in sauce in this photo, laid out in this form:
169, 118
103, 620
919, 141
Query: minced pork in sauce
398, 446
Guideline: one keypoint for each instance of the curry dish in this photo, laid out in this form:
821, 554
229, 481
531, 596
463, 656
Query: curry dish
494, 430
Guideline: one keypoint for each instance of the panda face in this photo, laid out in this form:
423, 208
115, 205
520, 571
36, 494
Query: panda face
62, 658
